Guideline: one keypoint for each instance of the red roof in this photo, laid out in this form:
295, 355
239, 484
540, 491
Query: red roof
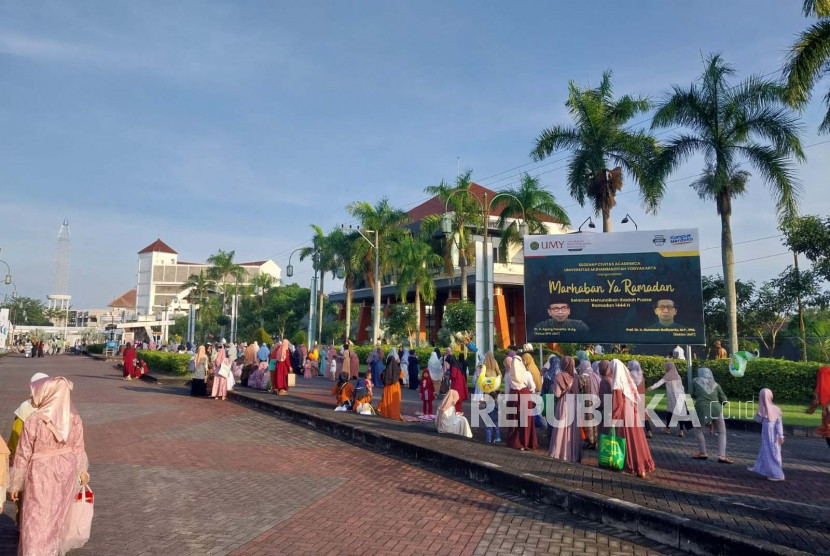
255, 263
158, 246
125, 300
437, 206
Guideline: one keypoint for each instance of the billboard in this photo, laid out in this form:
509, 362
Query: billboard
622, 287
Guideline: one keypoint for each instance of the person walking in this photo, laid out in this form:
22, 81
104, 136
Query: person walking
128, 362
821, 398
518, 382
636, 373
769, 463
200, 365
625, 404
435, 366
49, 462
675, 398
709, 397
566, 438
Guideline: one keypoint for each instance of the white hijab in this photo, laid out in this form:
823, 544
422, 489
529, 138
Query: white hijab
434, 366
624, 382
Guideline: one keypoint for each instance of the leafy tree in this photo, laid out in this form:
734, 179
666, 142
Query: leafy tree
771, 309
416, 264
810, 236
261, 337
460, 319
809, 59
537, 202
222, 268
400, 321
26, 311
344, 248
200, 286
324, 260
729, 123
715, 311
599, 139
465, 213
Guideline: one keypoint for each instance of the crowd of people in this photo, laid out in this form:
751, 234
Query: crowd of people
44, 467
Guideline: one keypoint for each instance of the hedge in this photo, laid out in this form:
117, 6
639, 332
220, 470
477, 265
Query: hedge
95, 348
166, 362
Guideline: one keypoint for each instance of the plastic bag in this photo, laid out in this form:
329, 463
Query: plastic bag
79, 521
611, 451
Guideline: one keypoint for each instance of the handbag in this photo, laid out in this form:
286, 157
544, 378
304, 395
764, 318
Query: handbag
446, 383
292, 380
224, 369
79, 520
611, 451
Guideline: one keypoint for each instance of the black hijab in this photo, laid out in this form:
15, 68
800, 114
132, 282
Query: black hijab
392, 372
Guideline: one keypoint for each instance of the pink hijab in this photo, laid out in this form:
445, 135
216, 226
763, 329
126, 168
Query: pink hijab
766, 409
50, 396
283, 354
220, 356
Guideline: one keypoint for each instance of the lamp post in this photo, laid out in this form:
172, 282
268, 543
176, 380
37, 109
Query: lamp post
376, 309
446, 226
587, 221
8, 279
627, 219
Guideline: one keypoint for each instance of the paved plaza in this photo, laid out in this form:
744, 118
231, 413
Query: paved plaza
177, 475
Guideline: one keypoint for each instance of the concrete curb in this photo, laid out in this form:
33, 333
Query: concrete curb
678, 532
755, 427
166, 379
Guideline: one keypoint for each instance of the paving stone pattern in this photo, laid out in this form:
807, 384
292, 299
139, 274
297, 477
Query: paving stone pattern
791, 513
176, 475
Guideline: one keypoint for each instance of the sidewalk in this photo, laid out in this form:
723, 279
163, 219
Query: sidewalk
697, 506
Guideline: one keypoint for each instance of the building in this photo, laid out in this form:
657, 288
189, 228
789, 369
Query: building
161, 279
508, 282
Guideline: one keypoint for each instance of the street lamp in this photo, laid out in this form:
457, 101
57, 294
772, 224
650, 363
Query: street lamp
589, 222
8, 279
376, 310
289, 270
446, 228
626, 219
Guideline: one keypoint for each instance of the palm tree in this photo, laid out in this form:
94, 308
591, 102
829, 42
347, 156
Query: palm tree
200, 286
222, 267
320, 250
465, 213
809, 59
537, 202
599, 139
416, 261
727, 124
344, 251
261, 285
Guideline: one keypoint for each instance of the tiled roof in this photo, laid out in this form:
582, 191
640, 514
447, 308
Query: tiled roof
125, 300
158, 246
255, 263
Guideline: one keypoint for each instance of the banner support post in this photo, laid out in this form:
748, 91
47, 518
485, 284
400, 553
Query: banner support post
689, 367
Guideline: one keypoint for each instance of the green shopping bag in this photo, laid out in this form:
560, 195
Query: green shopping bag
611, 451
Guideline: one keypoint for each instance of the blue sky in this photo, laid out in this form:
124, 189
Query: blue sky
237, 125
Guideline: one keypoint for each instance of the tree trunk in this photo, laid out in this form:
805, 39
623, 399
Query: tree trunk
462, 264
606, 219
320, 309
801, 328
417, 315
348, 311
728, 260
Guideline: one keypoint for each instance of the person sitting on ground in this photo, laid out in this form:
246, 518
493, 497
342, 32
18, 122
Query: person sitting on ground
343, 392
363, 393
448, 421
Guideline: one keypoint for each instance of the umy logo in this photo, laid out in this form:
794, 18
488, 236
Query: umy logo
548, 244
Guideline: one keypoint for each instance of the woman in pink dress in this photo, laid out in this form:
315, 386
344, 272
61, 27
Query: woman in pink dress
625, 404
220, 383
566, 439
48, 465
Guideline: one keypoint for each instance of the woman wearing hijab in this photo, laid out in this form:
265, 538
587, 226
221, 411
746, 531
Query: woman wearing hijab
282, 368
343, 391
531, 367
821, 398
128, 362
435, 366
636, 373
354, 362
552, 368
322, 355
232, 352
414, 370
589, 381
376, 363
220, 383
709, 398
566, 439
49, 462
491, 370
518, 383
390, 403
675, 397
458, 381
448, 420
200, 363
345, 362
768, 463
625, 402
404, 360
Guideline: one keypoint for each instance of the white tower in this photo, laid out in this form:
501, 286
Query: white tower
60, 282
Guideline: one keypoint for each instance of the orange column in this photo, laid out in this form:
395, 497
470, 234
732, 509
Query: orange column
500, 308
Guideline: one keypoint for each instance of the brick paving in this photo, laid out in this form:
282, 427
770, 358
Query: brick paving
175, 475
791, 513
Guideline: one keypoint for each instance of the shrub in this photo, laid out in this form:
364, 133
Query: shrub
170, 363
95, 348
299, 338
262, 337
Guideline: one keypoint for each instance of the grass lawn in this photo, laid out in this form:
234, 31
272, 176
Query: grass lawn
793, 413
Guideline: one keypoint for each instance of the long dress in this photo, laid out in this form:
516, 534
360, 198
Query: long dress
458, 382
566, 438
129, 362
390, 402
637, 453
414, 372
47, 471
197, 383
522, 436
769, 463
283, 368
450, 422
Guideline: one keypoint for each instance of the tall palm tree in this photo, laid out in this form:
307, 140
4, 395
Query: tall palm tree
537, 202
465, 212
344, 251
809, 59
261, 285
416, 263
598, 140
727, 124
222, 267
320, 249
200, 286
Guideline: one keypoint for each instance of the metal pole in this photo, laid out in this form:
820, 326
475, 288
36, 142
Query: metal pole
311, 307
485, 342
376, 325
689, 376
